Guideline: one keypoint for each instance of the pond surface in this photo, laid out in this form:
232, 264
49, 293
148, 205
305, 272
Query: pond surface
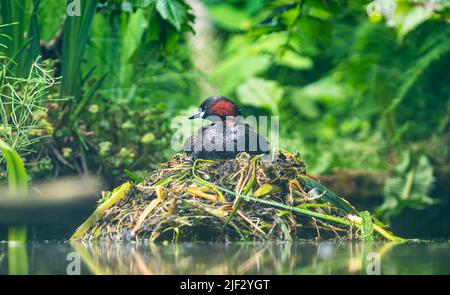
230, 258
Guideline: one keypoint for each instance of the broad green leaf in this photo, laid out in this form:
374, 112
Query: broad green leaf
17, 176
229, 18
326, 90
172, 11
293, 60
17, 179
409, 187
261, 93
236, 69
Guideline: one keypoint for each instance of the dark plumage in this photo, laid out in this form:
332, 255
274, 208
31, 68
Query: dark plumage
225, 137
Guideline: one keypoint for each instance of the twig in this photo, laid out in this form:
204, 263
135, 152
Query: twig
239, 212
144, 215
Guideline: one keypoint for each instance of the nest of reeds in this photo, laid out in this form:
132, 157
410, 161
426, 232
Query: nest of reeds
246, 198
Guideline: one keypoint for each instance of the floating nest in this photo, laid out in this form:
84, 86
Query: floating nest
246, 198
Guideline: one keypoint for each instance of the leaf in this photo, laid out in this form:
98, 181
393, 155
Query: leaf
410, 20
293, 60
326, 90
237, 68
75, 39
229, 18
23, 48
172, 11
136, 178
17, 176
328, 196
261, 93
118, 193
17, 180
146, 53
216, 212
263, 190
415, 72
409, 188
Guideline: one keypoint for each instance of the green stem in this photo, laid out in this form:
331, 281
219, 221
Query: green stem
117, 195
288, 207
353, 219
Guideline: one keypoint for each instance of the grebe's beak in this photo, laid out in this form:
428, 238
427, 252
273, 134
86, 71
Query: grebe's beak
198, 114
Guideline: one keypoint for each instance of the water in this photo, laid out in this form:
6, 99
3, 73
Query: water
231, 258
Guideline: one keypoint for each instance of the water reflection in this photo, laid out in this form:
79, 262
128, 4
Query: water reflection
235, 258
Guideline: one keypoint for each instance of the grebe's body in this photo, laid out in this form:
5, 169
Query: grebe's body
225, 137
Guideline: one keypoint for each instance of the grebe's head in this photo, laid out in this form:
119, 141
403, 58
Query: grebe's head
218, 106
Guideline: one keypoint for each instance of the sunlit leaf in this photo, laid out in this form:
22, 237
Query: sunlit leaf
409, 21
293, 60
261, 93
230, 18
238, 68
263, 190
172, 11
17, 176
410, 186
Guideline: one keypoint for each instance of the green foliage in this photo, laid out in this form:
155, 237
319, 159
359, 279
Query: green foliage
261, 93
409, 187
76, 36
136, 178
174, 11
17, 176
18, 183
408, 15
116, 81
352, 90
366, 226
356, 88
126, 124
22, 107
21, 49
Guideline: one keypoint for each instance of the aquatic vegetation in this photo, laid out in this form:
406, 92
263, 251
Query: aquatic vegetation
353, 90
18, 184
246, 198
23, 108
17, 176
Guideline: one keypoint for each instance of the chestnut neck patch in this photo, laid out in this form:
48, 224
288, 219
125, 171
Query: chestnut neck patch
223, 108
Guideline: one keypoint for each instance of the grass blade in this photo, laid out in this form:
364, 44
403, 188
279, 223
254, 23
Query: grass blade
117, 195
17, 180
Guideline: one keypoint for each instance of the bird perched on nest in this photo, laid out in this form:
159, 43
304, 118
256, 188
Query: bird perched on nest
225, 137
